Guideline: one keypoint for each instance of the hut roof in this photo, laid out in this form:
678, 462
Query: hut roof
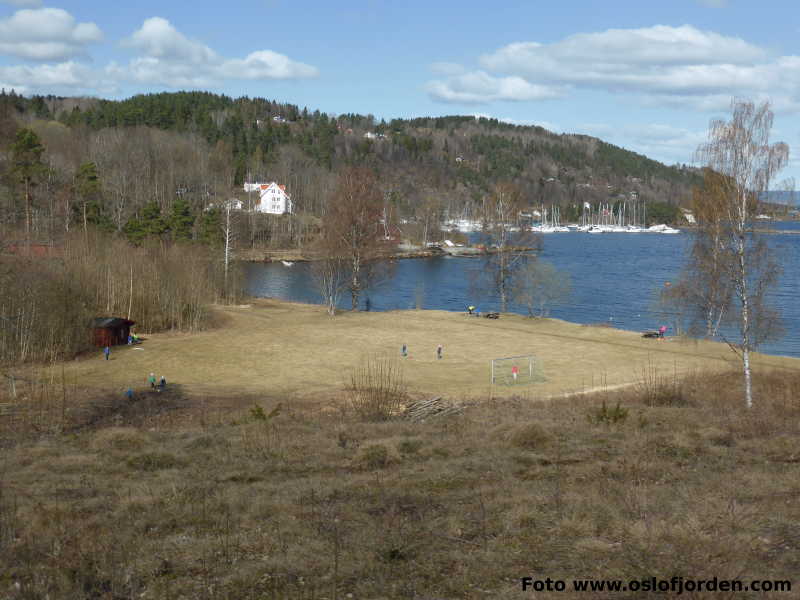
111, 322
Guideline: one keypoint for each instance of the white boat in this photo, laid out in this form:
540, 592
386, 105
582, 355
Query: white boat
286, 263
595, 229
670, 230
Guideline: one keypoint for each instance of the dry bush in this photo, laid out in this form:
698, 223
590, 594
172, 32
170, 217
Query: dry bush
377, 391
657, 389
530, 436
46, 305
409, 510
375, 456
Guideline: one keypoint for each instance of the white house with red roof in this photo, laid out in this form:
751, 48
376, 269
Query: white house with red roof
272, 199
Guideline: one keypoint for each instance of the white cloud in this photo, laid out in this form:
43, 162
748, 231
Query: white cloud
658, 46
677, 66
667, 143
171, 59
266, 64
549, 125
46, 34
67, 75
479, 87
157, 38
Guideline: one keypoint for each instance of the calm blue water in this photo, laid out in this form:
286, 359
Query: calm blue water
616, 279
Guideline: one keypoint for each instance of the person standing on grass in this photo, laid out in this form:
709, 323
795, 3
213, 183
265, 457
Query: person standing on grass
514, 372
662, 330
107, 352
404, 350
439, 352
162, 384
152, 381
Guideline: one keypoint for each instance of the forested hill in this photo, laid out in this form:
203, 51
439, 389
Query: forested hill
194, 145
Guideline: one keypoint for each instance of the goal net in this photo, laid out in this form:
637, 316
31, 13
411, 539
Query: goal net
514, 370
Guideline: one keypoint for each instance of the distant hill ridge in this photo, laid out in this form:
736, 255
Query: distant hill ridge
457, 159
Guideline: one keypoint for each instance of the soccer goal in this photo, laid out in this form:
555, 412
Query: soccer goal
514, 370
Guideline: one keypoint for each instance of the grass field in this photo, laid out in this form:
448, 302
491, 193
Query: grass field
251, 478
163, 499
277, 348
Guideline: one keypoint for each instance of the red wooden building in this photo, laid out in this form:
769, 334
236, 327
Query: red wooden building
111, 331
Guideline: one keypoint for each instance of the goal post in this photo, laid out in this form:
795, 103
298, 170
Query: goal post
514, 370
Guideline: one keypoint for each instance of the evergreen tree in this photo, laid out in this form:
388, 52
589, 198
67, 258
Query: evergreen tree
26, 169
134, 230
152, 222
181, 220
210, 227
89, 200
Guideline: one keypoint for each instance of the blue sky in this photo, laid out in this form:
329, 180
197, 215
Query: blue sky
645, 75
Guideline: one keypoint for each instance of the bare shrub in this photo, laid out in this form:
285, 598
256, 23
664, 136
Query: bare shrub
46, 306
377, 390
656, 389
375, 456
603, 415
530, 436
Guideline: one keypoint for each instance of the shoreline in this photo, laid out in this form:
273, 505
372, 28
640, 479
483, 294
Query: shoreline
271, 256
598, 325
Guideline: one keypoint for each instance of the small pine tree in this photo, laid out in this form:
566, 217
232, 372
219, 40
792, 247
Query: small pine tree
152, 222
181, 221
210, 227
88, 207
27, 168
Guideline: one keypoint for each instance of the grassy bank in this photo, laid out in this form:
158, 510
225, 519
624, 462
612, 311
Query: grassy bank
182, 496
279, 348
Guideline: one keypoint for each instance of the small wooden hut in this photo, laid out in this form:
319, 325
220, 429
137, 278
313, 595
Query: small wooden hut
111, 331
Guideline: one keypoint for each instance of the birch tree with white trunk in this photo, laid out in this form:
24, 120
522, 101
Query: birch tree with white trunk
739, 151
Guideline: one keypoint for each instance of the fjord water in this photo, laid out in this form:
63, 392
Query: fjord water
616, 280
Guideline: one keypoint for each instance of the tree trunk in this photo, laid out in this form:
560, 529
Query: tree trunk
745, 319
748, 382
354, 292
27, 217
130, 295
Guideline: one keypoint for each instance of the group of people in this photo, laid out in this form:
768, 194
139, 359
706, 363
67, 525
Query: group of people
132, 339
162, 383
439, 351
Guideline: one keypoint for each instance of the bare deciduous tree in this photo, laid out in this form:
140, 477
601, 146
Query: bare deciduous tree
740, 153
538, 284
500, 215
228, 238
703, 294
353, 228
330, 275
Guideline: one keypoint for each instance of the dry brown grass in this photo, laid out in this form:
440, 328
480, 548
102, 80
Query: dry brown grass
282, 349
303, 501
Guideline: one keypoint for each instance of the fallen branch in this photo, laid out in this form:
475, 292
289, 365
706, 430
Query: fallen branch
435, 407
